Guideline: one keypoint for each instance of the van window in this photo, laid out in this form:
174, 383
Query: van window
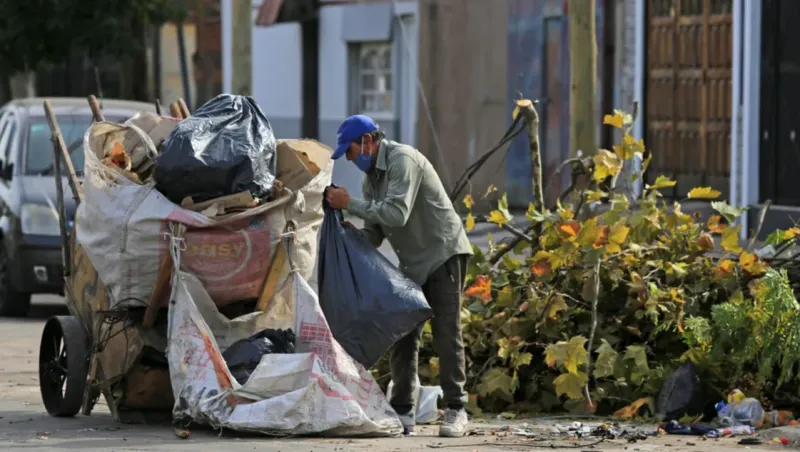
39, 155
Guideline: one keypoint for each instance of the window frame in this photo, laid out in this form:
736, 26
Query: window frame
386, 50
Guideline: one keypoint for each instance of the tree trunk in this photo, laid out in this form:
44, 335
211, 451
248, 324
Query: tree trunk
583, 77
23, 85
242, 52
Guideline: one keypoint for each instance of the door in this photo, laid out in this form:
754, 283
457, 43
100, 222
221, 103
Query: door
688, 98
779, 156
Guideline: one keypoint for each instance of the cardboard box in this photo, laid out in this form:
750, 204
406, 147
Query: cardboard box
300, 160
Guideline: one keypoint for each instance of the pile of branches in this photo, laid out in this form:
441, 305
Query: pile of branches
593, 304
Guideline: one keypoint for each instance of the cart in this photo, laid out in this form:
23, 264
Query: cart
94, 351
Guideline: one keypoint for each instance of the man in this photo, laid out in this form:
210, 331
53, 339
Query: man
406, 203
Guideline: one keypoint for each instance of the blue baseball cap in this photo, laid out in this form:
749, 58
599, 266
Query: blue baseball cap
352, 129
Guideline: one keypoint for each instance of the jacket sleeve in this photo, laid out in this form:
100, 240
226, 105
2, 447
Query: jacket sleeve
404, 178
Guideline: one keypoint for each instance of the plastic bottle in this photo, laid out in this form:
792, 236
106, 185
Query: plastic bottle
740, 410
778, 418
736, 430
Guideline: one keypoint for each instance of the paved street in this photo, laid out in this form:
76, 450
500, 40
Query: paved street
24, 425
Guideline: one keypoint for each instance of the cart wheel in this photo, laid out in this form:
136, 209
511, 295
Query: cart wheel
63, 365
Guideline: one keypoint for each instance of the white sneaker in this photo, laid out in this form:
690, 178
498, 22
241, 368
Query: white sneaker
408, 424
454, 424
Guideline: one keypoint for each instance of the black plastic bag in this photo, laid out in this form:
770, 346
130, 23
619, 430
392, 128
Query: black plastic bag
368, 303
684, 394
243, 356
225, 147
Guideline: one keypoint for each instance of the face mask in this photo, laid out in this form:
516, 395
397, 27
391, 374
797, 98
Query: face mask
363, 162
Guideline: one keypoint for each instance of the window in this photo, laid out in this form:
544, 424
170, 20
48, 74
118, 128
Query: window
374, 78
39, 155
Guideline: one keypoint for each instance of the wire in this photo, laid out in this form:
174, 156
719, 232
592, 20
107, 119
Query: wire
423, 97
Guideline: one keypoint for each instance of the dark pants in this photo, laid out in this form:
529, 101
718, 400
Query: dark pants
443, 292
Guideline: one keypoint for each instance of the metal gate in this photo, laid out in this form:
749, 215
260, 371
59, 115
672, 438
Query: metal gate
779, 132
688, 100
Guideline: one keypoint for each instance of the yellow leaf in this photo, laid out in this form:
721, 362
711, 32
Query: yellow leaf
593, 195
663, 182
631, 146
433, 363
481, 288
570, 384
705, 242
730, 239
541, 267
632, 411
588, 232
704, 193
617, 119
470, 223
523, 359
617, 236
570, 228
605, 164
646, 161
576, 354
558, 305
714, 225
555, 354
498, 218
468, 201
725, 267
601, 238
752, 264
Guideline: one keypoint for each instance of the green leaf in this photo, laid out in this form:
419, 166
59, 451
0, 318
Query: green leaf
523, 359
497, 382
502, 206
576, 354
555, 354
505, 297
606, 360
638, 355
663, 181
472, 406
729, 212
511, 264
570, 384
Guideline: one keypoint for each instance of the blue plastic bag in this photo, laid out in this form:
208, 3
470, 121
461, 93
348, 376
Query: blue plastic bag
368, 303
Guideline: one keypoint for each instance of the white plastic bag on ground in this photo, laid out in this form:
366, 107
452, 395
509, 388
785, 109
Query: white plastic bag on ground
122, 226
426, 401
320, 389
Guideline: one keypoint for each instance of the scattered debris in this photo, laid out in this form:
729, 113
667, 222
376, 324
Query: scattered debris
180, 432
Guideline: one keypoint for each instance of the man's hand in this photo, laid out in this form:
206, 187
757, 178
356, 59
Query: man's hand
338, 198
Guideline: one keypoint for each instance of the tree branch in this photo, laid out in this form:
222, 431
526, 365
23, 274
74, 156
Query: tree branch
518, 233
509, 246
470, 171
593, 300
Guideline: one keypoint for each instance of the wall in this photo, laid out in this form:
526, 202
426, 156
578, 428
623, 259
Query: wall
538, 47
170, 64
277, 67
277, 70
463, 67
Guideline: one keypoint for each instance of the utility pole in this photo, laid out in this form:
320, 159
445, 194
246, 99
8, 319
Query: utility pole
583, 115
242, 47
